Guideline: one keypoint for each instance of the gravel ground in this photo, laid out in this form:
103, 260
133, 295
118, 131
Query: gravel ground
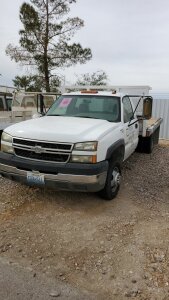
149, 174
116, 249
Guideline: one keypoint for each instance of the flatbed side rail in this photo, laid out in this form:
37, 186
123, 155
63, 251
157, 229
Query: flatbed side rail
152, 128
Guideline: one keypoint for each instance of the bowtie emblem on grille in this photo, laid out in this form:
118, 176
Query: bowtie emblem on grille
37, 149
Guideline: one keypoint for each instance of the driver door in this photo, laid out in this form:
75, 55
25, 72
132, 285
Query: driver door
130, 127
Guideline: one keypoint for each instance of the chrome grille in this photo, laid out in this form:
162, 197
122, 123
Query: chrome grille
43, 151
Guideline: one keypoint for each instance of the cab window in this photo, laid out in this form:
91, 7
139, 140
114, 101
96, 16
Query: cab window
127, 110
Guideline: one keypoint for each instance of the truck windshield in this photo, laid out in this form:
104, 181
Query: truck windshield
95, 107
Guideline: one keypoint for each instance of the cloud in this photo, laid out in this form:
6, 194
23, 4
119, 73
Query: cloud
129, 39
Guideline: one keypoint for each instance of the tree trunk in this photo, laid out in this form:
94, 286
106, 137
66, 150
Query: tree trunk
46, 67
47, 85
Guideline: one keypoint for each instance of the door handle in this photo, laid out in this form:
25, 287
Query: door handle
136, 125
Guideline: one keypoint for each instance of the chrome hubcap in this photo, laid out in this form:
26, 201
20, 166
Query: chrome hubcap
116, 179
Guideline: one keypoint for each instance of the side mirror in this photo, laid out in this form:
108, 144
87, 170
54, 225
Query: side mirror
147, 107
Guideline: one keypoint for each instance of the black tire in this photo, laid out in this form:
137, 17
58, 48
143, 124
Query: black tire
146, 144
150, 144
113, 180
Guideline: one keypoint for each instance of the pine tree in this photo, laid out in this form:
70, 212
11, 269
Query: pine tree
95, 78
45, 38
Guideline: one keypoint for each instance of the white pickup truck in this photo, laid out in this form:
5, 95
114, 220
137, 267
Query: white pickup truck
82, 141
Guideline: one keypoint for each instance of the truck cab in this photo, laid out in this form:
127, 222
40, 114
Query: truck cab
20, 106
5, 109
5, 103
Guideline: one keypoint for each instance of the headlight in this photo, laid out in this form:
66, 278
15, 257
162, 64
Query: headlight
88, 159
6, 138
7, 148
87, 146
6, 143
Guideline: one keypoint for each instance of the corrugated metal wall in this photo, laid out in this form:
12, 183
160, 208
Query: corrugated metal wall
161, 109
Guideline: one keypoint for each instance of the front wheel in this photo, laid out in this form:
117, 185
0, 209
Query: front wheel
113, 181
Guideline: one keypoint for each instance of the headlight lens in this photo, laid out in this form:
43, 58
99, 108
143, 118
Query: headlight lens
7, 148
6, 143
87, 146
6, 138
88, 159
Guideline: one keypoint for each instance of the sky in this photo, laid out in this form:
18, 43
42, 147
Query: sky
129, 40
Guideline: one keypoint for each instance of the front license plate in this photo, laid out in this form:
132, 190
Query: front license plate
34, 178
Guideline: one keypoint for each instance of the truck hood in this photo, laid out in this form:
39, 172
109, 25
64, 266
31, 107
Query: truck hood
62, 129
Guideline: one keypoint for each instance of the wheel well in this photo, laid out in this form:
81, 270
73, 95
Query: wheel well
116, 153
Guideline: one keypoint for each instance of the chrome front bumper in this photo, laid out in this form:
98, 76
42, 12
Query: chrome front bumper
70, 182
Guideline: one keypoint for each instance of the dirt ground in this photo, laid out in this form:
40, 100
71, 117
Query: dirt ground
116, 249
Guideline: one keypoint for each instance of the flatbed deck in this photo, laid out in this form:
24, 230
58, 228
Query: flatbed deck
152, 125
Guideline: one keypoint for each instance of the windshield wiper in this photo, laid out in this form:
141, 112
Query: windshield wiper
76, 116
55, 115
87, 117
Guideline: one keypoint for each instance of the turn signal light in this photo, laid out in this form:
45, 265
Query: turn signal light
94, 159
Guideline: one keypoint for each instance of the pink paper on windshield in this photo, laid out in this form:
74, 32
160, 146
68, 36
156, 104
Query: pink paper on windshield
65, 102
